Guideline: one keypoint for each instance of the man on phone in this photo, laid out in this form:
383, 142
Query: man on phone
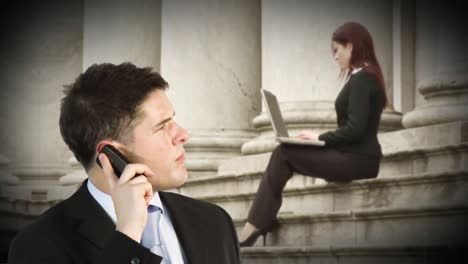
126, 218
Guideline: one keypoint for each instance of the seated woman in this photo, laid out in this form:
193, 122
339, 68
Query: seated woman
351, 152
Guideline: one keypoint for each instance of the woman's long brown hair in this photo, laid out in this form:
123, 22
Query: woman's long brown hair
363, 53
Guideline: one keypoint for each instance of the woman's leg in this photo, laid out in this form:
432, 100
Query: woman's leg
268, 199
331, 164
328, 164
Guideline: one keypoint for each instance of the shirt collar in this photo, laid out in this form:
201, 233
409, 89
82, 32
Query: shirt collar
156, 201
105, 200
356, 70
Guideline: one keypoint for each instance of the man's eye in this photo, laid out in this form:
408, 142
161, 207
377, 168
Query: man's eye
163, 126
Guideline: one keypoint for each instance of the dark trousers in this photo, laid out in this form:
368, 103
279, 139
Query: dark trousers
325, 163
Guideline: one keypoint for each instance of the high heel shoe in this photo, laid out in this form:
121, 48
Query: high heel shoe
250, 241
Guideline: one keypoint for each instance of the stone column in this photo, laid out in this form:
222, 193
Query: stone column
298, 66
441, 65
6, 178
211, 58
435, 139
116, 32
41, 51
7, 229
403, 54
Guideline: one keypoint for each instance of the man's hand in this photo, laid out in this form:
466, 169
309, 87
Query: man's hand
130, 196
308, 135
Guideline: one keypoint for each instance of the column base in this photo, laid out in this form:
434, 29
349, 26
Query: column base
76, 176
441, 148
35, 183
5, 175
206, 149
444, 104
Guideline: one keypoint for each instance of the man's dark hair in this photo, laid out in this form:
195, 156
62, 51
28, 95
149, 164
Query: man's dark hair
104, 102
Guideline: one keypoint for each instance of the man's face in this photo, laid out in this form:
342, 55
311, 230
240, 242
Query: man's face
158, 143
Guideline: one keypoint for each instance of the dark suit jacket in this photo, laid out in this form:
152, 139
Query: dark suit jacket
78, 230
358, 106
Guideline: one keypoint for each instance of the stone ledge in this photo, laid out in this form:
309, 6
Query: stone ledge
37, 194
427, 137
256, 164
426, 150
25, 208
397, 144
401, 164
347, 250
300, 196
367, 214
378, 227
308, 187
206, 149
340, 187
355, 254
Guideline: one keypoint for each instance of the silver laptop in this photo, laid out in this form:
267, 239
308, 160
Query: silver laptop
278, 125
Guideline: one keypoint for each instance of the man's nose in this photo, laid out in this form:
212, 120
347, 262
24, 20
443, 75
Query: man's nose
181, 135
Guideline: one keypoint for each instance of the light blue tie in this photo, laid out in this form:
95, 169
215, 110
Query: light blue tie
151, 234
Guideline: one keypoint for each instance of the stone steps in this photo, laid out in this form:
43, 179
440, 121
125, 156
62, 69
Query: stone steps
441, 225
302, 196
441, 157
354, 254
422, 226
416, 211
241, 175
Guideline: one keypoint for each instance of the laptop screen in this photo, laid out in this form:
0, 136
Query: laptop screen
274, 113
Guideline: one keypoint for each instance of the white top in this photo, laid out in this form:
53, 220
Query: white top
356, 70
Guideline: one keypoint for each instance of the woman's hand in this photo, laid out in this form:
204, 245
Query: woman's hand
308, 135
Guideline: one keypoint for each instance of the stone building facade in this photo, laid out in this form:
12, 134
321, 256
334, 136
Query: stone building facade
216, 56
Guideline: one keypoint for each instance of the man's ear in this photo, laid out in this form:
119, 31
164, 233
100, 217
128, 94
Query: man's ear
102, 143
115, 144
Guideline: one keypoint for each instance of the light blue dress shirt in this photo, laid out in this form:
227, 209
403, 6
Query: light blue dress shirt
172, 251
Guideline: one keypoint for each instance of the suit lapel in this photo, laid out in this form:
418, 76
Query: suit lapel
91, 221
188, 227
94, 226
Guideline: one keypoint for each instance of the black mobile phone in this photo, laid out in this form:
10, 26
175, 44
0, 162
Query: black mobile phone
116, 158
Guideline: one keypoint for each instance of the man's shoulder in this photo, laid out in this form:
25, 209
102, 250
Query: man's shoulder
209, 220
51, 220
183, 200
208, 224
44, 231
194, 207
